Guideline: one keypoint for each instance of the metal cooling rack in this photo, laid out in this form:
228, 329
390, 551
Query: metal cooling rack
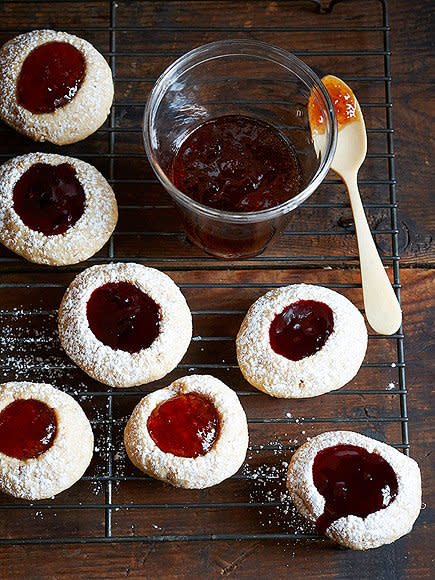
54, 521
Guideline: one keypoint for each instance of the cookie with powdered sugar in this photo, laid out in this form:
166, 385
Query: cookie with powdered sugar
192, 434
54, 86
46, 440
124, 324
361, 493
301, 341
54, 210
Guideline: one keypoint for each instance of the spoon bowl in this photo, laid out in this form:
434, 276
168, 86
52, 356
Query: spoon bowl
351, 148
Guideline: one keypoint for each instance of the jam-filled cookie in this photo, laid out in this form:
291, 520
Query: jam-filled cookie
54, 86
192, 434
358, 491
124, 324
54, 210
46, 441
301, 341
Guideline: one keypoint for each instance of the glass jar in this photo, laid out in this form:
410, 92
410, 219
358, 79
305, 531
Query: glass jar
247, 78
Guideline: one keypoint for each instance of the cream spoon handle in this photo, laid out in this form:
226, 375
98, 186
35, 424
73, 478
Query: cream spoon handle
380, 302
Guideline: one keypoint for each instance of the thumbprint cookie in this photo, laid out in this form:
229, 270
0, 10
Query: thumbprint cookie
54, 210
124, 324
54, 86
301, 341
46, 441
192, 434
361, 493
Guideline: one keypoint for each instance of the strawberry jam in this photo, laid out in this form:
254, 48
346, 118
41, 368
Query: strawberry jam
301, 329
123, 317
236, 163
343, 100
353, 482
186, 425
50, 77
27, 428
49, 198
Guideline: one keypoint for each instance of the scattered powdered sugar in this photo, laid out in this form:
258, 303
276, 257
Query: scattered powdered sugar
268, 487
31, 351
30, 346
120, 459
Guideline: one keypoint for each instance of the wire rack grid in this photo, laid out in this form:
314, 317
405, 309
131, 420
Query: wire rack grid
113, 502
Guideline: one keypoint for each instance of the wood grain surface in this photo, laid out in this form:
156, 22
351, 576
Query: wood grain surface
146, 219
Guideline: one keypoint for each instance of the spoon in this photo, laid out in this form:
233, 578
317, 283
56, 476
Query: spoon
381, 305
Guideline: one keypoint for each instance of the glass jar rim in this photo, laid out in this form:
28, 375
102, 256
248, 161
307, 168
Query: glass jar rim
282, 57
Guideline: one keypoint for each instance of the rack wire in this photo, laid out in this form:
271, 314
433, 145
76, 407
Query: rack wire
114, 502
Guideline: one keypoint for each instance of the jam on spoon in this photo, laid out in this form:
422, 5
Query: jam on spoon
49, 198
27, 428
50, 77
186, 425
237, 163
123, 317
343, 100
301, 329
353, 482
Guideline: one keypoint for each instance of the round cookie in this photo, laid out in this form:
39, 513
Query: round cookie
371, 492
54, 86
46, 441
54, 209
124, 324
192, 434
301, 341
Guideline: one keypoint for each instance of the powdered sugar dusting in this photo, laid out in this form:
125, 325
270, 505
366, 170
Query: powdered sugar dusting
220, 462
64, 462
335, 364
83, 239
115, 367
77, 119
378, 528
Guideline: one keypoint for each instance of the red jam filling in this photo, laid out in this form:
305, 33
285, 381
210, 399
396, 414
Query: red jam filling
49, 198
50, 77
236, 163
353, 482
123, 317
301, 329
186, 425
343, 100
27, 428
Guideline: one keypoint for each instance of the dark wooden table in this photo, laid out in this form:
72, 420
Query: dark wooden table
412, 68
